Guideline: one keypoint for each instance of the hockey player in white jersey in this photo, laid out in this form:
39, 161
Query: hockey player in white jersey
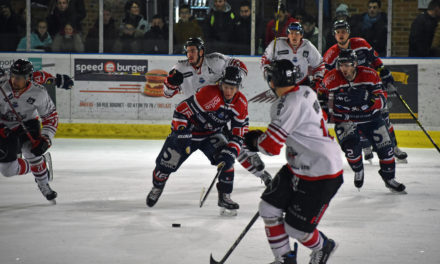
298, 196
22, 104
301, 52
199, 70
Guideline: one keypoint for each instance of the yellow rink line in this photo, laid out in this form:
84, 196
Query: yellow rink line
405, 138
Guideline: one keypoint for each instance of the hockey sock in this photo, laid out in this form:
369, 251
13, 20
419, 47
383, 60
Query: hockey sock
39, 169
159, 178
275, 231
356, 163
387, 168
23, 166
313, 240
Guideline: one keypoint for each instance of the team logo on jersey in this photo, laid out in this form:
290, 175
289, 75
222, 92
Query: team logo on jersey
30, 100
221, 115
281, 52
305, 53
201, 80
295, 59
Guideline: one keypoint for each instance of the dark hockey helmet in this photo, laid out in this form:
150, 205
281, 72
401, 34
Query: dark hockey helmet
22, 67
198, 42
341, 24
347, 56
295, 26
232, 76
282, 73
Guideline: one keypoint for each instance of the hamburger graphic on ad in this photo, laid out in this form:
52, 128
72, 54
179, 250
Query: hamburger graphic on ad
154, 85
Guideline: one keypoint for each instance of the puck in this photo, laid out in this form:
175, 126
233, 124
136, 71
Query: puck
175, 225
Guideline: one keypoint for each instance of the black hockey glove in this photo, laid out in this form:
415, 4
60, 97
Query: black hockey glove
182, 139
251, 139
4, 131
227, 157
386, 76
64, 81
174, 79
41, 146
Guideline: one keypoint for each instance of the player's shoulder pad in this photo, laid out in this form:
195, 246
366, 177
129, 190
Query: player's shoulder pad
240, 102
356, 43
367, 74
331, 54
215, 56
332, 79
209, 98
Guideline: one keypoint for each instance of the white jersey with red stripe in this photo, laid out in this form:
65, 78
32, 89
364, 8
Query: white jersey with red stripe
208, 73
31, 103
297, 122
306, 56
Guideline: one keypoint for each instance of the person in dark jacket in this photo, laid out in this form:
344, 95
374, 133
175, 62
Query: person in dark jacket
218, 25
110, 34
65, 11
156, 39
12, 27
423, 30
372, 26
241, 36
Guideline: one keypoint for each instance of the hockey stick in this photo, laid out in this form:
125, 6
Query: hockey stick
413, 116
240, 237
277, 22
19, 119
219, 171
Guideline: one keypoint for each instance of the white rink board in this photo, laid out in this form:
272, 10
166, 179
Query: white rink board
105, 106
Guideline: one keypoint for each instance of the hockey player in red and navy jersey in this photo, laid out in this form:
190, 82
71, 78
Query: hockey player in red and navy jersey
368, 57
198, 123
355, 100
23, 103
294, 203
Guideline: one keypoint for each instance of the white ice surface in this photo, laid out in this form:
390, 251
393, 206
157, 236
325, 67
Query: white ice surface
101, 216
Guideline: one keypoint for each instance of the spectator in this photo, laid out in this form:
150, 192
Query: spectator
242, 30
218, 25
134, 17
284, 20
156, 39
128, 42
311, 32
65, 11
68, 40
341, 13
110, 34
186, 28
12, 27
40, 38
423, 30
372, 26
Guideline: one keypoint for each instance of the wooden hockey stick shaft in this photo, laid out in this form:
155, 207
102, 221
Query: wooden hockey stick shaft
414, 117
277, 22
237, 241
219, 171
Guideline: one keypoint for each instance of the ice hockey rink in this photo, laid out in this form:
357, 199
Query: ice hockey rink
101, 216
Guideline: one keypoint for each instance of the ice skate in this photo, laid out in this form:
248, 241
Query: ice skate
266, 178
48, 159
288, 258
321, 256
153, 196
368, 154
395, 186
359, 179
227, 206
400, 155
47, 192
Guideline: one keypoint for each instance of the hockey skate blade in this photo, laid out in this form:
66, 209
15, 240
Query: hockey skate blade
396, 192
52, 202
213, 261
402, 161
228, 212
